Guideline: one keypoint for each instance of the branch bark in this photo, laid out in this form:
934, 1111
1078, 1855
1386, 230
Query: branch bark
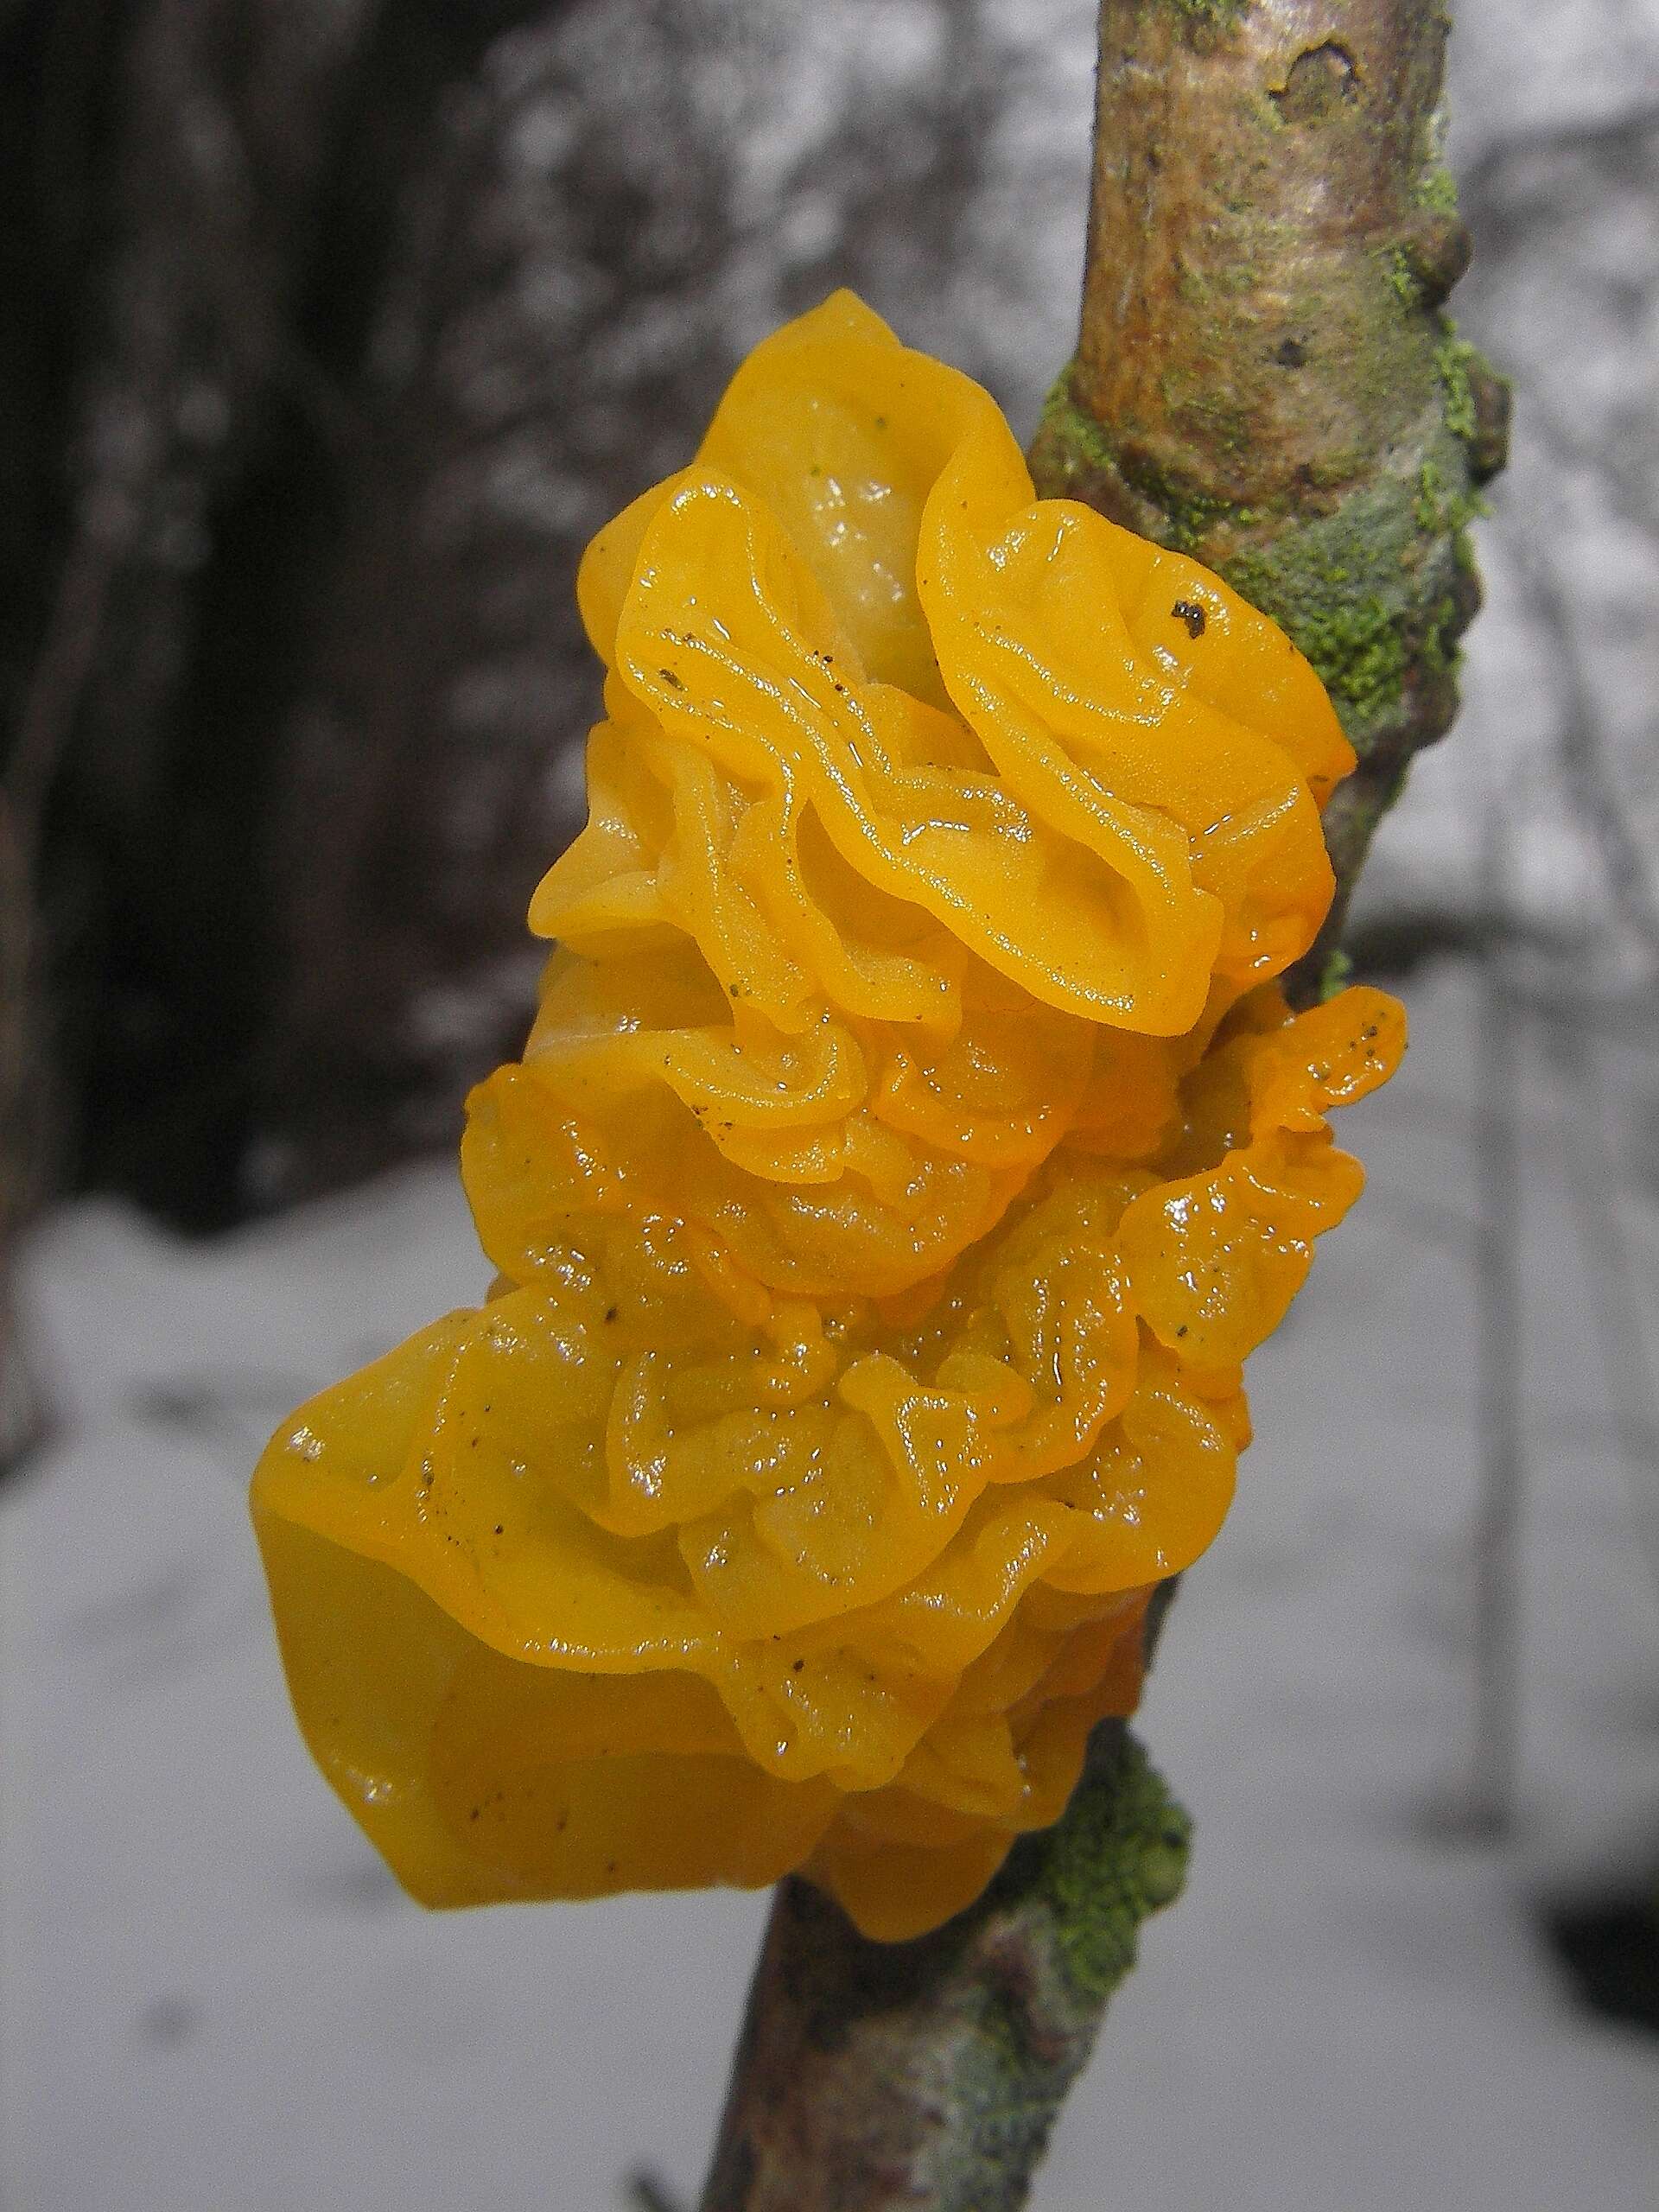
888, 2075
1265, 378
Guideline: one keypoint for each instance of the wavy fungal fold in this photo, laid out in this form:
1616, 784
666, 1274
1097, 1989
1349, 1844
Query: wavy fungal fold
911, 1143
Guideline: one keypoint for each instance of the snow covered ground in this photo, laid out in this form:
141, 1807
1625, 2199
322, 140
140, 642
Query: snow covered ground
216, 2001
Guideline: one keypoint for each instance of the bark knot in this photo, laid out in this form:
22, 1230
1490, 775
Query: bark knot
1324, 79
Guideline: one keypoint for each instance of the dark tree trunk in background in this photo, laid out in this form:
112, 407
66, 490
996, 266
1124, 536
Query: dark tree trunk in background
203, 201
332, 332
333, 327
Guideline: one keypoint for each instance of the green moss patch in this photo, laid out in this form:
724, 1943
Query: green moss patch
1119, 1855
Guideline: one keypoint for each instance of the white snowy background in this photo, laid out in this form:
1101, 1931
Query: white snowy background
213, 1998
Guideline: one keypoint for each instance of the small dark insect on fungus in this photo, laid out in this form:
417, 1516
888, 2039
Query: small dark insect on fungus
1189, 611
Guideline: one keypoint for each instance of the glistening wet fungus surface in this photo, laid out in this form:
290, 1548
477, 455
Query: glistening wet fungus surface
911, 1144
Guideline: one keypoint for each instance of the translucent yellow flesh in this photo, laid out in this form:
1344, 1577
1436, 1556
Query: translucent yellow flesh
911, 1145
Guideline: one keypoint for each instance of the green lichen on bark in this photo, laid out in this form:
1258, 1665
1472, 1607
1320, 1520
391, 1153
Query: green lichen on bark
934, 2071
1061, 1926
1120, 1855
1336, 974
1057, 1932
1436, 189
1368, 586
1402, 277
1365, 591
1266, 378
1446, 507
1457, 363
1073, 458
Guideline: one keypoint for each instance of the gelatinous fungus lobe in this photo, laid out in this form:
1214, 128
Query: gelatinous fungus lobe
911, 1143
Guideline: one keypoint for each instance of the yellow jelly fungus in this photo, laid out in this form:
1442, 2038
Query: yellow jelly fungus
911, 1144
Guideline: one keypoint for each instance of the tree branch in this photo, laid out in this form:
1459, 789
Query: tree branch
881, 2075
1264, 378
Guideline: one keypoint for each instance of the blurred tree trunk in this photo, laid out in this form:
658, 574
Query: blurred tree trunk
334, 329
202, 198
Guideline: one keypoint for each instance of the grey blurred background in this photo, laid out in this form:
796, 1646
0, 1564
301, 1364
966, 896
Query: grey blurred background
338, 328
334, 327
